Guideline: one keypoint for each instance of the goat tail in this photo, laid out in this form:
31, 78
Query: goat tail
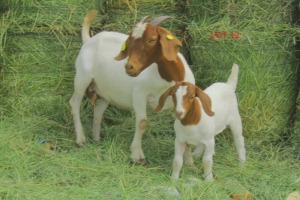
88, 19
233, 78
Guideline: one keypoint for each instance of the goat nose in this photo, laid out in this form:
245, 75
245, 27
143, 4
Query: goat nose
128, 66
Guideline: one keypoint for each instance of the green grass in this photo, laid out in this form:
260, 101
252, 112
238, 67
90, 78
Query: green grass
39, 159
57, 169
265, 51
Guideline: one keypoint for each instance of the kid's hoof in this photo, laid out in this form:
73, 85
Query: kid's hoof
139, 161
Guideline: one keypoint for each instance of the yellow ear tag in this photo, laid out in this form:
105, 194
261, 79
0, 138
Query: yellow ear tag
123, 46
170, 37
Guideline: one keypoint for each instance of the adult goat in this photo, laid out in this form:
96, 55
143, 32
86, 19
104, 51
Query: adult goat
150, 55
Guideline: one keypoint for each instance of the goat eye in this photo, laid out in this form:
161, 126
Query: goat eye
192, 98
151, 41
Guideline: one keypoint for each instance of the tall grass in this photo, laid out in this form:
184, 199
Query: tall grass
56, 169
265, 51
39, 43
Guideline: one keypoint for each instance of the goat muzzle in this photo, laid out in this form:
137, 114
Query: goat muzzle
128, 66
131, 70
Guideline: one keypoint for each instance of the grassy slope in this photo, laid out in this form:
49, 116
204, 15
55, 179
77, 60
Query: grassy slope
265, 52
56, 169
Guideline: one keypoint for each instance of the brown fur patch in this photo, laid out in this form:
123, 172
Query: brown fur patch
193, 115
246, 196
143, 124
190, 103
171, 70
154, 47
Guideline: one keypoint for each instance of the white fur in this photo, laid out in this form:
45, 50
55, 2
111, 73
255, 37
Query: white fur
96, 62
201, 135
139, 30
181, 91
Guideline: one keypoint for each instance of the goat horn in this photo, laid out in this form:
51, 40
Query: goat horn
158, 20
143, 19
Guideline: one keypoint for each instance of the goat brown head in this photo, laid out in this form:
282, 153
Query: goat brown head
148, 43
186, 106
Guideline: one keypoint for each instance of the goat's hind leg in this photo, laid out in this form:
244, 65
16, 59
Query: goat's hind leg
237, 132
207, 160
100, 107
188, 155
80, 86
198, 150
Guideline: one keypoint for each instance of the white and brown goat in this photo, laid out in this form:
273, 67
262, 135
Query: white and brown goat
200, 116
150, 55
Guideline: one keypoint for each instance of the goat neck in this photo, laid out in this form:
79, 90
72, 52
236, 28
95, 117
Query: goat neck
171, 70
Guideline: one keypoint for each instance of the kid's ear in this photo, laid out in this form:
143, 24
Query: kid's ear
205, 100
163, 99
170, 44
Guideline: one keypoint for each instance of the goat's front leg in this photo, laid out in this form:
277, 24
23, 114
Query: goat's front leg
178, 158
208, 159
140, 106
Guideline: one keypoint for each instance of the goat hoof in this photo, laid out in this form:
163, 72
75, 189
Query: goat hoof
80, 143
96, 139
141, 161
242, 163
137, 155
209, 178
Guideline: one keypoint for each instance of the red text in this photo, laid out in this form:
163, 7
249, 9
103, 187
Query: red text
223, 34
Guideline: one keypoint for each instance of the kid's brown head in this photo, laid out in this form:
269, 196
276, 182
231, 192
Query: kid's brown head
185, 97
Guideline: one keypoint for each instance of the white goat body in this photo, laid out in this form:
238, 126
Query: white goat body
221, 99
95, 63
202, 135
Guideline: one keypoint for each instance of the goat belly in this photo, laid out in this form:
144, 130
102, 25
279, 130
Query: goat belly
122, 102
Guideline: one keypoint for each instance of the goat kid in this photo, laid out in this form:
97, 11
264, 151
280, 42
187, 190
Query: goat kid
200, 115
150, 55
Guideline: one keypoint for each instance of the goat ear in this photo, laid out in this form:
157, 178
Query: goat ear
170, 44
122, 55
205, 100
123, 52
163, 99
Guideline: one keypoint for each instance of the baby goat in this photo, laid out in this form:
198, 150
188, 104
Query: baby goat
150, 55
200, 116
